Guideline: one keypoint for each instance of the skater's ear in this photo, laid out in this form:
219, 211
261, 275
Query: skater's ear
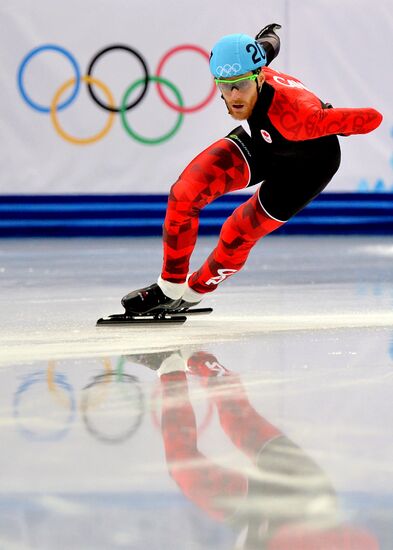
261, 78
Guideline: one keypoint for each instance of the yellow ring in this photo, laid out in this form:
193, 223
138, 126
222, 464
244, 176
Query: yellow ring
65, 400
98, 399
55, 102
54, 390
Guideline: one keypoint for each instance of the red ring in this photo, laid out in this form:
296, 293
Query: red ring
163, 60
154, 416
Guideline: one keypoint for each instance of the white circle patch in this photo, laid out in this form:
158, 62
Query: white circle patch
266, 136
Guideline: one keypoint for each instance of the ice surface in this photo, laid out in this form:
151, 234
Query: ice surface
272, 413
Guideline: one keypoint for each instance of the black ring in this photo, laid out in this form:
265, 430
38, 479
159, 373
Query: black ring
140, 412
145, 70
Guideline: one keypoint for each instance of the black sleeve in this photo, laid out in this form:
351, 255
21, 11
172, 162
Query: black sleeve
270, 41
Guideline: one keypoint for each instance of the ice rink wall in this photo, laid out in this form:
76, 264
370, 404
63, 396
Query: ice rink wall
72, 164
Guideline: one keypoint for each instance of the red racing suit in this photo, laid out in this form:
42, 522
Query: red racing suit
293, 151
295, 114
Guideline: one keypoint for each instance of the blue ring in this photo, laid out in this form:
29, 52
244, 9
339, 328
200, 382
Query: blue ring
38, 377
22, 68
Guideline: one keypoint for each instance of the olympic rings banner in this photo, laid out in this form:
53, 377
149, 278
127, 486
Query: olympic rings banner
107, 96
142, 83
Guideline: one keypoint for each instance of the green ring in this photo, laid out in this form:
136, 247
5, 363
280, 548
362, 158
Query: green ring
120, 368
131, 132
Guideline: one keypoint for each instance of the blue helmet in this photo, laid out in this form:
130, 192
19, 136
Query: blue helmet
236, 54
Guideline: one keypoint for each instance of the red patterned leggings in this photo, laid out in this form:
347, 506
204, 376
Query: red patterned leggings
219, 169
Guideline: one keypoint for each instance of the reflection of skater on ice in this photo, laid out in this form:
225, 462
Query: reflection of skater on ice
285, 503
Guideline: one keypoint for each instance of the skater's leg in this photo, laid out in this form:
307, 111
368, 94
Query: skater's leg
246, 428
219, 169
241, 231
290, 187
209, 485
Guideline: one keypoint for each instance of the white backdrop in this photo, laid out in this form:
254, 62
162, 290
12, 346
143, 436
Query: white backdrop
340, 49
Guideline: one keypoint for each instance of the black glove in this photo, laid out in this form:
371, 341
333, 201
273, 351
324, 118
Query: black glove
270, 41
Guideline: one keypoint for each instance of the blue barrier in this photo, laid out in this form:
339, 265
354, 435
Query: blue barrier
143, 215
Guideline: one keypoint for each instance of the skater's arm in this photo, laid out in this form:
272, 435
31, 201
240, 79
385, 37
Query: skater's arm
305, 118
270, 41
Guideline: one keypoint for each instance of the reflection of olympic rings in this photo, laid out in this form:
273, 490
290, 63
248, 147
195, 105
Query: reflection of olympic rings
131, 400
143, 82
53, 388
29, 424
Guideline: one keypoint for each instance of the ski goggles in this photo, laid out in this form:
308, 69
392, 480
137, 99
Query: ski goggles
241, 84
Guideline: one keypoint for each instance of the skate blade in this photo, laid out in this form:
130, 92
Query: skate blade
121, 319
179, 317
193, 311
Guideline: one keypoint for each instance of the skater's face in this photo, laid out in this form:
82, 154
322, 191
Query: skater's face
241, 93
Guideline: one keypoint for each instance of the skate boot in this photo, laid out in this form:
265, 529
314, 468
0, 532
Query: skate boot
152, 360
152, 305
190, 299
184, 305
206, 365
148, 300
164, 362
